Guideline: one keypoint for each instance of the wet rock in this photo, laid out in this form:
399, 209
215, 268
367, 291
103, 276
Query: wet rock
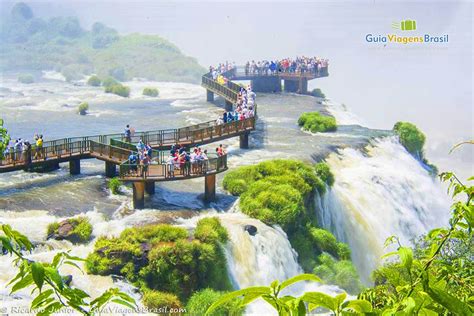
252, 230
65, 229
67, 279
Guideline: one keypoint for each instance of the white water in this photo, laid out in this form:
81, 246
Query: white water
261, 259
382, 193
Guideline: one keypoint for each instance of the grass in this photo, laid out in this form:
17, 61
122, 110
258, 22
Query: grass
317, 123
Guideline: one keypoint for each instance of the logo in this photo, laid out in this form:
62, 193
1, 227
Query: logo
407, 25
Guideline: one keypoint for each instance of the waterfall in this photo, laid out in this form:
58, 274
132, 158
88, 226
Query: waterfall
380, 192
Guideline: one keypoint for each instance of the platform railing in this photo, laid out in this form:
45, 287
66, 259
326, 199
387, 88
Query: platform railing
172, 169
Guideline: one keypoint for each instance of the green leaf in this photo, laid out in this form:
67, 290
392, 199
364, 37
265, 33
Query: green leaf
27, 280
260, 290
6, 243
41, 298
389, 254
340, 299
358, 306
55, 277
71, 263
37, 270
450, 302
406, 256
317, 299
410, 305
124, 303
299, 278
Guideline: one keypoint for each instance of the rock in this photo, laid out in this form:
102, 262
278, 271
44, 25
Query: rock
65, 229
67, 279
252, 230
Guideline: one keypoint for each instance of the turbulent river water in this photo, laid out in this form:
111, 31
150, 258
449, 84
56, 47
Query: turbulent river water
380, 190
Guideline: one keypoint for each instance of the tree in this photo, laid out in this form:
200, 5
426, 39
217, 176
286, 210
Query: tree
4, 139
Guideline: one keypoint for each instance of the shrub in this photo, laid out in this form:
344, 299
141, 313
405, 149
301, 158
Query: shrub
83, 108
151, 92
118, 89
411, 138
318, 93
94, 81
160, 300
201, 300
109, 81
114, 185
324, 173
341, 273
27, 79
80, 233
315, 122
210, 230
164, 258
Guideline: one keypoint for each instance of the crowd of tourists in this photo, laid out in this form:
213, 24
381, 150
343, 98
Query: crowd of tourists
21, 150
303, 64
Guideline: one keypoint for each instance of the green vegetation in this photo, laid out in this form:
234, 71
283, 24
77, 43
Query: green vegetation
4, 139
60, 43
289, 305
109, 81
318, 93
76, 230
200, 301
118, 89
317, 123
151, 92
26, 79
94, 81
83, 108
114, 185
50, 292
160, 300
282, 192
166, 258
414, 140
411, 138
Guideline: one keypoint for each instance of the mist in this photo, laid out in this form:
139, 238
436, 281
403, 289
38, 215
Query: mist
429, 85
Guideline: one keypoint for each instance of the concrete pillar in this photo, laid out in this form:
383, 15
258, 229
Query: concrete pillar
291, 85
150, 188
244, 141
75, 166
210, 188
303, 86
210, 96
228, 105
139, 195
110, 169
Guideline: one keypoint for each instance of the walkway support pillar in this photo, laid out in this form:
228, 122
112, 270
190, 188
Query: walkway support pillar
75, 166
303, 86
291, 85
244, 140
210, 96
228, 106
110, 169
139, 195
210, 188
150, 188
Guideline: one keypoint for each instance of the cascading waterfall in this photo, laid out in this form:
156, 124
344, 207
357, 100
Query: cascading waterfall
259, 260
378, 193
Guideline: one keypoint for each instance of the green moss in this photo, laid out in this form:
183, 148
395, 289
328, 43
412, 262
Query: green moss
26, 78
114, 185
316, 122
411, 138
118, 89
210, 230
81, 230
83, 108
160, 301
109, 81
318, 93
165, 258
94, 81
324, 173
201, 300
151, 92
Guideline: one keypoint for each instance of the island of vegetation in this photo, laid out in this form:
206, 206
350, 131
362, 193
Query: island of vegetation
76, 230
315, 122
61, 44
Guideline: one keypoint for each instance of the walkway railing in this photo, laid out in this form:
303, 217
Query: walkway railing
222, 90
173, 170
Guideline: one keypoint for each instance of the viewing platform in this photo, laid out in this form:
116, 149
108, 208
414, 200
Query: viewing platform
115, 149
